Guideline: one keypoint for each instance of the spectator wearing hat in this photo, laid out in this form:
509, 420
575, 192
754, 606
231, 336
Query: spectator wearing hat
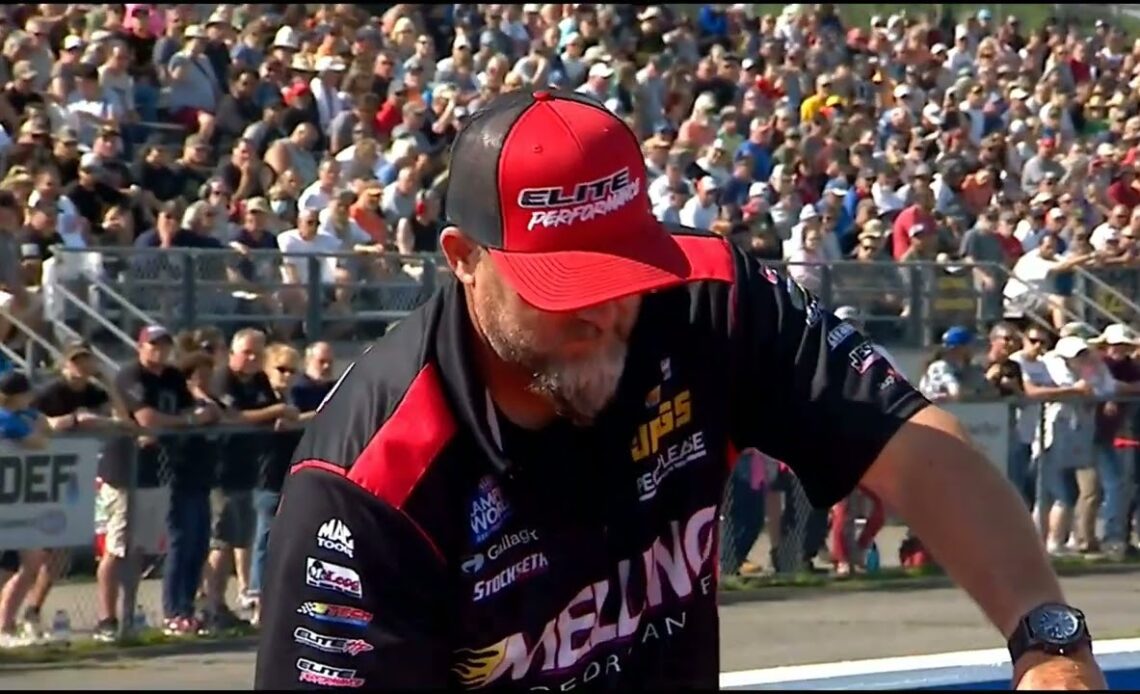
75, 400
951, 374
194, 87
918, 214
1065, 448
1114, 430
154, 393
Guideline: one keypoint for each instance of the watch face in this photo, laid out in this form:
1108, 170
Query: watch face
1055, 624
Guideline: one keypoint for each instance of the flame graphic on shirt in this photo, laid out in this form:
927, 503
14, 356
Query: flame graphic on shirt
475, 667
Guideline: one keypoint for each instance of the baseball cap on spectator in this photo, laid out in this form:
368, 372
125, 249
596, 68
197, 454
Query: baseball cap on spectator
66, 135
90, 162
874, 229
1056, 213
757, 189
258, 204
328, 63
708, 183
808, 213
73, 42
150, 334
1117, 334
957, 336
528, 158
75, 350
14, 383
1078, 329
194, 31
1070, 346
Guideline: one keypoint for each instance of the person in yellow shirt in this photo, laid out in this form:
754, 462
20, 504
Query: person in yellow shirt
811, 106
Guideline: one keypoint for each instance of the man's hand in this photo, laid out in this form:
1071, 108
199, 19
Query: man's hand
1041, 671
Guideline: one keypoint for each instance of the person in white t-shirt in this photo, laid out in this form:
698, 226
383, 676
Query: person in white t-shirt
1030, 288
701, 210
299, 246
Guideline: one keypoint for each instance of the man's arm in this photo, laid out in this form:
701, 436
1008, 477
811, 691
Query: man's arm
838, 414
971, 520
387, 602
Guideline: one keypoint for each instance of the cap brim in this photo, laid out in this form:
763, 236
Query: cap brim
571, 280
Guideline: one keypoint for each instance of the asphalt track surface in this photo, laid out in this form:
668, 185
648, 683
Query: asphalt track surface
792, 627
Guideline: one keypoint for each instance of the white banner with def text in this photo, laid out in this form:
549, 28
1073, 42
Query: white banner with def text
988, 425
47, 497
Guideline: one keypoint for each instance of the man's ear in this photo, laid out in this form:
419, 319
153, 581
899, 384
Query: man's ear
461, 252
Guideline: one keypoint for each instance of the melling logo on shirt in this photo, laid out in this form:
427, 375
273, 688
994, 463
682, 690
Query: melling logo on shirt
334, 577
489, 510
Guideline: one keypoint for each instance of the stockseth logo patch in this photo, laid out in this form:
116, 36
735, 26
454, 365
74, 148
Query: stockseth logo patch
583, 202
335, 614
489, 510
323, 675
334, 577
528, 565
330, 644
335, 536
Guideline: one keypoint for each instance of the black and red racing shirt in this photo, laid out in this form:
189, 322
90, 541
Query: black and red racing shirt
423, 541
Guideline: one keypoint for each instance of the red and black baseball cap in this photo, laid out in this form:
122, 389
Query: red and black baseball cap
554, 186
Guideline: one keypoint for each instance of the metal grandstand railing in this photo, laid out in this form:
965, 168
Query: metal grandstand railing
328, 294
37, 351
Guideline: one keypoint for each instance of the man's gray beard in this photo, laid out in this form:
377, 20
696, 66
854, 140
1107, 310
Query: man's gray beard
579, 389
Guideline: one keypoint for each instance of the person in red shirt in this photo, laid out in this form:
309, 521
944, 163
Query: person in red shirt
921, 212
391, 113
1122, 190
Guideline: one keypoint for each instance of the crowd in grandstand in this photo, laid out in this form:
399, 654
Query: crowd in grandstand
960, 144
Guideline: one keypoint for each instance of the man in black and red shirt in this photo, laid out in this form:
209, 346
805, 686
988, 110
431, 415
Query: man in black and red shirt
519, 485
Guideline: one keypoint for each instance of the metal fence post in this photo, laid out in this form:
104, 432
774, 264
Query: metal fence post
918, 332
189, 288
314, 305
825, 286
1039, 477
129, 575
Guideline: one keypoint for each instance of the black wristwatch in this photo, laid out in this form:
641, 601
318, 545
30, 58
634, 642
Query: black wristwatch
1052, 628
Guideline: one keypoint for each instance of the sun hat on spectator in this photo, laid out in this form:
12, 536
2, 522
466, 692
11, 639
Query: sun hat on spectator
287, 38
1071, 346
302, 62
555, 189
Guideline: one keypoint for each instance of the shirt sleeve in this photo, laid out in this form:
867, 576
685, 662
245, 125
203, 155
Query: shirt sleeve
14, 426
130, 390
355, 597
811, 390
